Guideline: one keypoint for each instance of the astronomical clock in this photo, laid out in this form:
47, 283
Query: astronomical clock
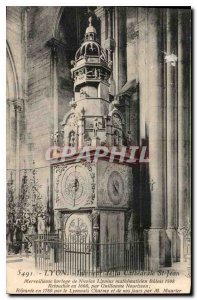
75, 186
91, 199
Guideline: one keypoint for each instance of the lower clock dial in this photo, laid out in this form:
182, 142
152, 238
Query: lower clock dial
115, 187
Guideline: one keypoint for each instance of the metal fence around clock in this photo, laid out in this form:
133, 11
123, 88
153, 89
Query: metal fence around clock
85, 258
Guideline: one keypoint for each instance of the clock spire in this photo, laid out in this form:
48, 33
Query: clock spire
91, 75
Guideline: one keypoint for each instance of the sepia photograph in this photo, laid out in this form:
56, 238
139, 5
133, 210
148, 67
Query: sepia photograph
98, 150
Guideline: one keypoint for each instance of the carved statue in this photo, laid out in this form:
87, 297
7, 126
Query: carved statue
95, 218
96, 73
96, 126
116, 138
95, 223
129, 139
72, 139
41, 225
83, 93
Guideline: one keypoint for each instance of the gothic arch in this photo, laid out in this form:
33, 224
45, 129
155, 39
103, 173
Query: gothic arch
68, 115
57, 21
11, 75
116, 111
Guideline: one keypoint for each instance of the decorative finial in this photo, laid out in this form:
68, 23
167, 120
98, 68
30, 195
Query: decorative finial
90, 21
83, 111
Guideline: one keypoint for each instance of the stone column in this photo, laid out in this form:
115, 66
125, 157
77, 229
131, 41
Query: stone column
115, 54
109, 22
81, 132
142, 61
107, 41
18, 106
8, 133
108, 129
101, 14
156, 232
181, 134
121, 48
11, 134
141, 66
55, 87
183, 129
171, 134
95, 236
54, 45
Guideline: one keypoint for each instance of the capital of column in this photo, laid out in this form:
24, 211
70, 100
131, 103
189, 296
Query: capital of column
17, 104
54, 45
100, 12
9, 102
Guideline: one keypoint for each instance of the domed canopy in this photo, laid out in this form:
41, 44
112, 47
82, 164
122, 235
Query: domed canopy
90, 29
90, 46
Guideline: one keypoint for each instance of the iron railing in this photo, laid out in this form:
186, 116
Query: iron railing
90, 259
26, 245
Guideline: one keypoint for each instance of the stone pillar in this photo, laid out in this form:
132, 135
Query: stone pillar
183, 129
95, 225
171, 135
108, 131
81, 131
142, 61
101, 14
95, 141
156, 234
54, 45
121, 48
8, 134
95, 236
11, 134
106, 16
109, 22
18, 106
58, 226
54, 88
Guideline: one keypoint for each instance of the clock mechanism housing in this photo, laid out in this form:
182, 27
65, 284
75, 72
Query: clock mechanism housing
91, 185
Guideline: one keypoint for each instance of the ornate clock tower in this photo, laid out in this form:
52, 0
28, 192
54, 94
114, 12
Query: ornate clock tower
91, 199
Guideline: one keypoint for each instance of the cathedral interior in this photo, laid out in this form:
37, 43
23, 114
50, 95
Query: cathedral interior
100, 76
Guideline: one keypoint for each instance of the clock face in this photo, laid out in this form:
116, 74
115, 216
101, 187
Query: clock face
78, 230
76, 186
115, 187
